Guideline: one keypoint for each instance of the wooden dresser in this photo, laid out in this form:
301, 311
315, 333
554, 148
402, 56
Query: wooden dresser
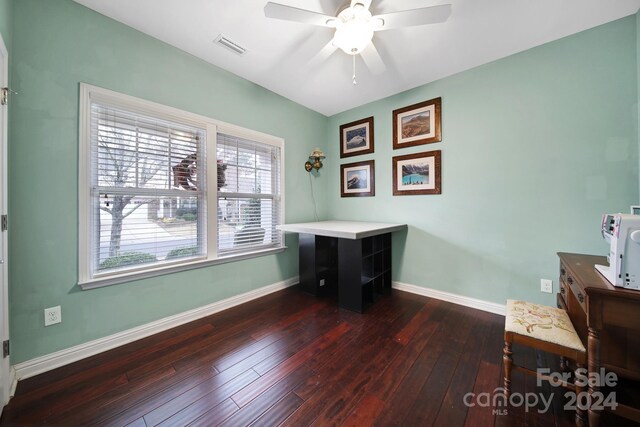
607, 320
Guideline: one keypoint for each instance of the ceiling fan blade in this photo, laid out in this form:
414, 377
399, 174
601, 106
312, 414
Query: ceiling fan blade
366, 3
409, 18
372, 58
322, 55
289, 13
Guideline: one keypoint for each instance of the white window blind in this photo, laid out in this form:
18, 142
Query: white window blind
147, 190
249, 202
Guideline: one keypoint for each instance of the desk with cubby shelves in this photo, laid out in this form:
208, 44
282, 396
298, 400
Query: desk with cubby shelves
350, 257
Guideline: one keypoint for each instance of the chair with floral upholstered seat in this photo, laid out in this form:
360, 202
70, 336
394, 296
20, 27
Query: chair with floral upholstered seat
544, 328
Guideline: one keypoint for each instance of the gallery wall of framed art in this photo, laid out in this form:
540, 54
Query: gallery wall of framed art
413, 173
413, 125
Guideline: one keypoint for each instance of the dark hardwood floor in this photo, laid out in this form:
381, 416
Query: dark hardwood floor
295, 360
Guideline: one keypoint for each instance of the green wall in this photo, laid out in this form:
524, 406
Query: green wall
58, 44
535, 148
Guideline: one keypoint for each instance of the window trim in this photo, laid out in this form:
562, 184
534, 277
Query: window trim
89, 93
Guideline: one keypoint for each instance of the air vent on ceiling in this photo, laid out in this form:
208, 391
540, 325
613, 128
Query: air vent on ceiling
230, 44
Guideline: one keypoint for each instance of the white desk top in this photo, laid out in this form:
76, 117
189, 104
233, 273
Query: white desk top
343, 229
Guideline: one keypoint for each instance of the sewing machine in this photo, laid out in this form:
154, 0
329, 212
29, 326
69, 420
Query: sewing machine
622, 231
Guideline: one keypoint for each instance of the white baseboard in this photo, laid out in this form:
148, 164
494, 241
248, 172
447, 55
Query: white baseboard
479, 304
13, 381
60, 358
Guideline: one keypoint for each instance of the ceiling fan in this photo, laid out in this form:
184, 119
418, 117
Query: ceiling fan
354, 27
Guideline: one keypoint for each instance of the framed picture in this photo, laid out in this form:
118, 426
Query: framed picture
357, 179
417, 124
417, 174
356, 138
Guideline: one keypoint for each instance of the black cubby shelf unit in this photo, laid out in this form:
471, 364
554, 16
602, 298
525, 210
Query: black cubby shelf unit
318, 264
365, 268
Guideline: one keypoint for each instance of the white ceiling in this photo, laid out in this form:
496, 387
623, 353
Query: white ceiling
279, 52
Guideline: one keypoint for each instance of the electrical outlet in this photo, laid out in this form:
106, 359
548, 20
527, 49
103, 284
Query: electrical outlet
52, 315
546, 285
321, 282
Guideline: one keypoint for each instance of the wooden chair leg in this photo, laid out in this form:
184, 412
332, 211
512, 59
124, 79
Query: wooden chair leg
581, 412
508, 364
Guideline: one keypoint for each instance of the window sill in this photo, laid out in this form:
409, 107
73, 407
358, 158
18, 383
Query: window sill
160, 271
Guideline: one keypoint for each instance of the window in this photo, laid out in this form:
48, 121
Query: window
147, 201
164, 190
248, 200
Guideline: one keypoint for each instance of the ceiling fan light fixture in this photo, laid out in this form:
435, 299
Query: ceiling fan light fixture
354, 31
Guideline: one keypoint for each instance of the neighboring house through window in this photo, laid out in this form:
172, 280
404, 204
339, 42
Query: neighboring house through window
164, 190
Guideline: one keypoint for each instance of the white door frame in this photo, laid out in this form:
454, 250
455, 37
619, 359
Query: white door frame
6, 378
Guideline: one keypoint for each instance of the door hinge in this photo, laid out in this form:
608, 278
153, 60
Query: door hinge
5, 348
4, 224
4, 95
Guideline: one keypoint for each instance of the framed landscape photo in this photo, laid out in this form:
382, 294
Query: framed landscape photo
417, 124
417, 174
357, 179
356, 138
